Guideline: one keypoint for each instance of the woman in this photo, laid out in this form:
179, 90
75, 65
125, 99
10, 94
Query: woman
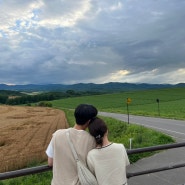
108, 160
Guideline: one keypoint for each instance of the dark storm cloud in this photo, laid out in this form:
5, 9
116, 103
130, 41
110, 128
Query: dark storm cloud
92, 41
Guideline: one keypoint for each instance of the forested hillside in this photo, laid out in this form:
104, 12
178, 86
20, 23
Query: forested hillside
106, 87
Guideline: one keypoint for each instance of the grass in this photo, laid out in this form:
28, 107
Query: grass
171, 102
143, 103
37, 179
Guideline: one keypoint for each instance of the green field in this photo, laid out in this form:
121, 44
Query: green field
171, 102
171, 105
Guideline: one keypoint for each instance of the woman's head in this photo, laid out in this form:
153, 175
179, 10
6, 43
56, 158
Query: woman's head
97, 128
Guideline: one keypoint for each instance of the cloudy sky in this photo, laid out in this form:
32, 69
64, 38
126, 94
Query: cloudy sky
92, 41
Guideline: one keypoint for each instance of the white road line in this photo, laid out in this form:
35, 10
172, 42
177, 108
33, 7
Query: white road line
163, 129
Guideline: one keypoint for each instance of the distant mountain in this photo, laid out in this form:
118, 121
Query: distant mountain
106, 87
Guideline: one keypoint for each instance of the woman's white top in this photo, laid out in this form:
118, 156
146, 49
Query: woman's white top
109, 164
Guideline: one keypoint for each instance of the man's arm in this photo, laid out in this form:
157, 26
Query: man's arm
49, 153
50, 161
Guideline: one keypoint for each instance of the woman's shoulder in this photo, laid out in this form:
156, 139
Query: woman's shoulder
118, 145
93, 151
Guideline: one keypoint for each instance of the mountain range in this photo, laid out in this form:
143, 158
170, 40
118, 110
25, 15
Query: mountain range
106, 87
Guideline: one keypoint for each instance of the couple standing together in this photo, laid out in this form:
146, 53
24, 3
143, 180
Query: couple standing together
106, 160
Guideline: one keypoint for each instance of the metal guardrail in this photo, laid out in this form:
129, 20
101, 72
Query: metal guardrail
144, 172
23, 172
44, 168
155, 148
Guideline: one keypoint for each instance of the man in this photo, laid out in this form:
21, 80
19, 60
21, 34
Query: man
59, 152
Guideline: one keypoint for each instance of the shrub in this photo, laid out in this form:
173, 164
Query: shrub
44, 104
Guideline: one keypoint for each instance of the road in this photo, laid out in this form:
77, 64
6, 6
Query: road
174, 128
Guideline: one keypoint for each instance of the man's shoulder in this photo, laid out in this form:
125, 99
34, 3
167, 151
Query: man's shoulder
75, 131
59, 131
72, 131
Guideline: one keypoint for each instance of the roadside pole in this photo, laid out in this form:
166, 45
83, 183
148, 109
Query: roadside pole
157, 100
128, 102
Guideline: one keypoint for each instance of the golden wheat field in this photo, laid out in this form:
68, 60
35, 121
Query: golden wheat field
25, 133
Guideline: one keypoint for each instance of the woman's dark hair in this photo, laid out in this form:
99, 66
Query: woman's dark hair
84, 113
97, 128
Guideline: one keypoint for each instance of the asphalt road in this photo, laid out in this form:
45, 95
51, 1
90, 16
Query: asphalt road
174, 128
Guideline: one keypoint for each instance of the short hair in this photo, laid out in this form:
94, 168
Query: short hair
97, 128
84, 113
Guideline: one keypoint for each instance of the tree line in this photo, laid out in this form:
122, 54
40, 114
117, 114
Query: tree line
12, 99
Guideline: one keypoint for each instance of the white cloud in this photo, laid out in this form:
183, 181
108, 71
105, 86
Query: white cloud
16, 16
154, 77
118, 76
59, 13
118, 6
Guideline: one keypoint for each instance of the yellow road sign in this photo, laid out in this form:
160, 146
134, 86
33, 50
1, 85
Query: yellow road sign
129, 100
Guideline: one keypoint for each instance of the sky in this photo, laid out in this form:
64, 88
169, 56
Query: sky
92, 41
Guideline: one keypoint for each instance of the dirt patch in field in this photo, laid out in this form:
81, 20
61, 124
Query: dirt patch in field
25, 133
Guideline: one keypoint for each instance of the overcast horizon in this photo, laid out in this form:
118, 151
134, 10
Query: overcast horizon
92, 41
138, 83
